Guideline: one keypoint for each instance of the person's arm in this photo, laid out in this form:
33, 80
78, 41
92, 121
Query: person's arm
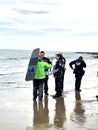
48, 61
63, 62
84, 64
58, 69
47, 66
71, 64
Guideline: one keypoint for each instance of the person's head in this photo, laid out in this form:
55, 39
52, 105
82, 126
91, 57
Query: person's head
80, 57
42, 54
58, 56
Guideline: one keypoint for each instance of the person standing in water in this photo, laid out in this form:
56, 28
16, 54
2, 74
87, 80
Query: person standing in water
45, 59
63, 60
58, 76
39, 78
78, 71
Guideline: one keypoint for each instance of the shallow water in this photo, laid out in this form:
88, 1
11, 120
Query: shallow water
73, 111
77, 111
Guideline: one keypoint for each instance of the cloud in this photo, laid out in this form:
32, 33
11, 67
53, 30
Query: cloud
48, 3
57, 29
23, 11
20, 32
5, 23
70, 23
85, 34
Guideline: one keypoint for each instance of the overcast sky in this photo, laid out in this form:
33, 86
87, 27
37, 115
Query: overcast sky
62, 25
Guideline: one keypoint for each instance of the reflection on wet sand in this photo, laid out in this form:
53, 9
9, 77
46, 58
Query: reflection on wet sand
78, 115
41, 117
97, 97
60, 115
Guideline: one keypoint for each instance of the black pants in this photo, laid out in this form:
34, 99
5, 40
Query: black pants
78, 81
62, 79
46, 85
38, 86
58, 86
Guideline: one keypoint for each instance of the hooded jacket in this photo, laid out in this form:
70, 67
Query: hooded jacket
40, 71
79, 65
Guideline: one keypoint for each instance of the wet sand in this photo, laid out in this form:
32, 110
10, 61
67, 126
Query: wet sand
73, 111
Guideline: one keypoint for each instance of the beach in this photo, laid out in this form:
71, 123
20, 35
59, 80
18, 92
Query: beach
72, 111
75, 110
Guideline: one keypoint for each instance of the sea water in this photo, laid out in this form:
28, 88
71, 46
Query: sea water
13, 66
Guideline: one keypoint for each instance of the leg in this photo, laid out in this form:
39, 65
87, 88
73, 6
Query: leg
78, 82
46, 85
62, 80
57, 87
35, 87
59, 92
41, 83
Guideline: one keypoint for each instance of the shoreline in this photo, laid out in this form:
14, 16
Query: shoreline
75, 110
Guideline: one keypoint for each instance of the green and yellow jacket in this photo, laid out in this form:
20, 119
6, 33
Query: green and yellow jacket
40, 71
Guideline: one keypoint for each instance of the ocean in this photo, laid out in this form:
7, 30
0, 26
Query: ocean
73, 111
13, 66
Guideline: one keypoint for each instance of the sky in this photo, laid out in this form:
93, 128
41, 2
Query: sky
56, 25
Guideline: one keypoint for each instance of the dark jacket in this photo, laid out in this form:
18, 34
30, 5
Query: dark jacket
47, 60
79, 65
58, 67
63, 63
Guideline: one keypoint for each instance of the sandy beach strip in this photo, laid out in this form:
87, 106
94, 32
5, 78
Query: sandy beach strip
73, 111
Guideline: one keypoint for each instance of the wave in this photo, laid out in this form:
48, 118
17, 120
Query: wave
3, 74
4, 83
14, 58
